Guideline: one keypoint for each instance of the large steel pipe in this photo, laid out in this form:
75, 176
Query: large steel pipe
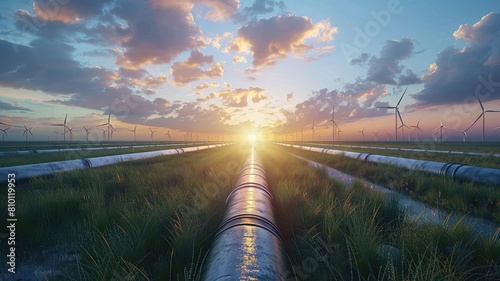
34, 170
453, 170
247, 244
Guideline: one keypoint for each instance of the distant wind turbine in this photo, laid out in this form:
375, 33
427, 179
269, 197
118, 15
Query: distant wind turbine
134, 131
396, 113
440, 128
313, 131
152, 132
169, 137
483, 114
1, 123
402, 127
70, 133
87, 131
63, 125
376, 135
57, 136
464, 133
26, 131
338, 134
362, 133
417, 128
103, 134
4, 132
110, 127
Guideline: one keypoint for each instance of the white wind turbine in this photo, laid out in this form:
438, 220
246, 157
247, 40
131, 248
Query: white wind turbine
26, 131
417, 128
152, 132
134, 131
388, 136
464, 134
440, 128
87, 131
70, 133
168, 134
4, 132
396, 113
376, 135
110, 127
63, 125
483, 114
57, 135
362, 133
103, 134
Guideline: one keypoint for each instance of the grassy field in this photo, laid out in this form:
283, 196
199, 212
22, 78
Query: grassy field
452, 195
41, 145
482, 161
142, 220
334, 233
155, 219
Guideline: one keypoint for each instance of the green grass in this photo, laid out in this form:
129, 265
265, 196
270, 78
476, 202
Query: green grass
143, 220
335, 233
452, 195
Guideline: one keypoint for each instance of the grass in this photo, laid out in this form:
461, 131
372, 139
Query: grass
143, 220
482, 161
335, 233
452, 195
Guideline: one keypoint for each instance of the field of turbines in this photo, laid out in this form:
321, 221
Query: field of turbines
155, 217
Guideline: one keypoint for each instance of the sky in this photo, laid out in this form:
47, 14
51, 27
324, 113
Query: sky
229, 68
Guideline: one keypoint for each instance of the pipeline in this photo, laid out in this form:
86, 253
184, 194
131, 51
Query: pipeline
40, 151
23, 172
414, 210
452, 170
465, 153
247, 244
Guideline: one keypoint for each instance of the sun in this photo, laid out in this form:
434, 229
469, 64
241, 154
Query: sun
252, 137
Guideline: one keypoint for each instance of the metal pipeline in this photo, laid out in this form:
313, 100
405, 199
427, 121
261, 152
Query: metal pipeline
34, 170
452, 170
40, 151
247, 244
466, 153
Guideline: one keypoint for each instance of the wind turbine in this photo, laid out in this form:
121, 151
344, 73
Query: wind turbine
388, 136
440, 128
134, 131
4, 132
168, 134
362, 133
70, 133
112, 130
63, 125
152, 132
464, 133
396, 112
417, 128
483, 114
313, 131
1, 123
87, 130
376, 135
57, 136
26, 131
103, 134
108, 124
402, 127
338, 133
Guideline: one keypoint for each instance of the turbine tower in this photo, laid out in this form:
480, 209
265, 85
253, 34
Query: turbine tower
483, 114
103, 134
440, 128
4, 132
396, 113
87, 131
376, 135
26, 131
152, 132
362, 133
134, 131
417, 128
63, 125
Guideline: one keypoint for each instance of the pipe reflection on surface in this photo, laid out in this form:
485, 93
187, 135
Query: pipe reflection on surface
247, 244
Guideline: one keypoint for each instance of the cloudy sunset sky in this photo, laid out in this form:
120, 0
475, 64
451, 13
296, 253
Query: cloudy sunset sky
230, 67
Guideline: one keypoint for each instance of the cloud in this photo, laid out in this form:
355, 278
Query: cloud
239, 97
190, 69
272, 39
458, 74
361, 60
259, 7
289, 96
68, 11
239, 59
9, 106
155, 33
206, 85
385, 68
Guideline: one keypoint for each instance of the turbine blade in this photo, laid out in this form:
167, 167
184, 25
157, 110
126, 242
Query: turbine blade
66, 117
475, 121
480, 103
388, 107
401, 97
492, 111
